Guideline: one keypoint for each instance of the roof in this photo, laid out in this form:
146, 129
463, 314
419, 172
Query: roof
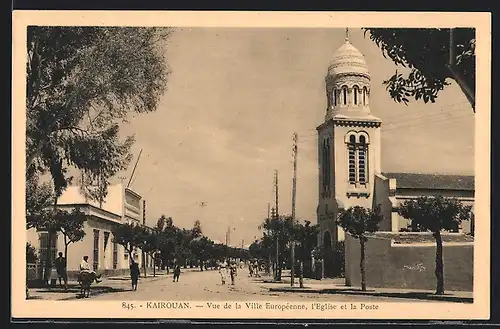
347, 60
432, 181
410, 238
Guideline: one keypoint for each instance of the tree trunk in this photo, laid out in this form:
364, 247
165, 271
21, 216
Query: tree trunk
201, 265
439, 271
66, 253
301, 274
362, 264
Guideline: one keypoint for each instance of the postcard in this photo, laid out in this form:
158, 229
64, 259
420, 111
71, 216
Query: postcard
251, 165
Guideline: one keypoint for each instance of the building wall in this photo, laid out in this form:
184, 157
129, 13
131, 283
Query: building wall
410, 266
113, 202
381, 197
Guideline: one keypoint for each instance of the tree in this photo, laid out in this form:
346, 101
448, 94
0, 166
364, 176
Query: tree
39, 198
130, 236
431, 57
307, 238
150, 244
81, 83
31, 254
196, 231
359, 221
71, 225
436, 214
201, 248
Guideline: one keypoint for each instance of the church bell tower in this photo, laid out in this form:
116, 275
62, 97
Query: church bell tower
348, 142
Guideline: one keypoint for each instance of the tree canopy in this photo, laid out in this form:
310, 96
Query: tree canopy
430, 58
82, 82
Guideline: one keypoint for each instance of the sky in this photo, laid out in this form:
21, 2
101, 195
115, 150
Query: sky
236, 96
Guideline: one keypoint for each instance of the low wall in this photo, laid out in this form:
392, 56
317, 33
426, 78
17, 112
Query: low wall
408, 266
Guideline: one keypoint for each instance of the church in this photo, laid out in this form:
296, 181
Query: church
349, 162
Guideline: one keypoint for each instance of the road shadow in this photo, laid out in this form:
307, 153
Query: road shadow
96, 291
373, 293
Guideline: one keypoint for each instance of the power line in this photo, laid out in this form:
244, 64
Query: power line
426, 123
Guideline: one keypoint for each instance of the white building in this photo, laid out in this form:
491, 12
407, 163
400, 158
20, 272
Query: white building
122, 205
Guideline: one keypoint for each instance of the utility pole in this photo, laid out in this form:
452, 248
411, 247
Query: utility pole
277, 217
144, 224
275, 267
294, 193
133, 170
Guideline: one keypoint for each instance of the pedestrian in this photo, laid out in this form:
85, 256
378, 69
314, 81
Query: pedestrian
61, 270
223, 271
177, 272
134, 274
256, 268
233, 271
250, 269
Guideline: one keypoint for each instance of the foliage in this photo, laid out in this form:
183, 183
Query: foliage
81, 83
31, 253
71, 225
435, 213
196, 231
129, 235
39, 198
358, 221
425, 55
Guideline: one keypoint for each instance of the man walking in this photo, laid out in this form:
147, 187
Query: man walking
61, 270
135, 272
177, 272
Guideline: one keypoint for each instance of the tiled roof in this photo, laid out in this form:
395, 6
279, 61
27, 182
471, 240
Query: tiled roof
409, 238
432, 181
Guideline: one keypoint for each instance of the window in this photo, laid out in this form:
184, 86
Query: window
357, 149
352, 159
344, 95
326, 165
365, 96
96, 250
44, 247
115, 255
355, 92
335, 97
362, 155
106, 239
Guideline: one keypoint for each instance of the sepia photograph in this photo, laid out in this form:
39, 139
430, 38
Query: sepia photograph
299, 166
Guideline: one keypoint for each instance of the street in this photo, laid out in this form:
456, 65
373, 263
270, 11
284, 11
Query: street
206, 285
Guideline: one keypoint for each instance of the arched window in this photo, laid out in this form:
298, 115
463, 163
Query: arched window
365, 96
335, 97
357, 149
362, 160
326, 165
344, 95
355, 91
351, 147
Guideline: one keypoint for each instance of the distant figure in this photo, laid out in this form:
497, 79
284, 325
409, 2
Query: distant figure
61, 270
250, 269
177, 272
256, 269
134, 274
223, 271
85, 268
233, 271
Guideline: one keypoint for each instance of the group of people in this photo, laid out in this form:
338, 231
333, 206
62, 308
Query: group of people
85, 269
225, 269
253, 269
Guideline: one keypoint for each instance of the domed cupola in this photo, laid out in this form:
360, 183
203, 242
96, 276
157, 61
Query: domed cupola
348, 82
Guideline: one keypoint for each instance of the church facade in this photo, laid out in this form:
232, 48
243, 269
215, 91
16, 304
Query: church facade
349, 158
